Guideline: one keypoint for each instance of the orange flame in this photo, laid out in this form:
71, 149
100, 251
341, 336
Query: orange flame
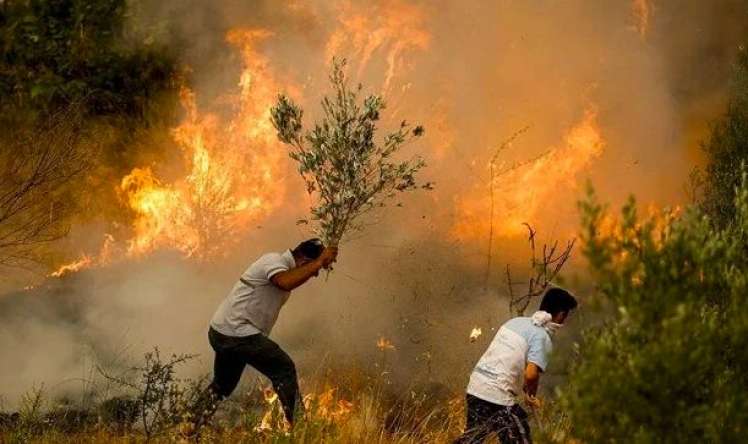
521, 191
233, 169
232, 173
475, 333
83, 262
385, 344
660, 219
273, 418
392, 27
325, 406
86, 261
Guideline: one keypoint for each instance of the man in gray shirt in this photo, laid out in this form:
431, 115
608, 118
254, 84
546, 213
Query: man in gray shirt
240, 326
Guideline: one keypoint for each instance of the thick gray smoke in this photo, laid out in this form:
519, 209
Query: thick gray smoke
488, 69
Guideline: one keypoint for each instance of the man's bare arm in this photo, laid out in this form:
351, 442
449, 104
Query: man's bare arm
532, 379
290, 279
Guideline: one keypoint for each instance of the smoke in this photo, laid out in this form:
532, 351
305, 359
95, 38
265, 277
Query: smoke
474, 74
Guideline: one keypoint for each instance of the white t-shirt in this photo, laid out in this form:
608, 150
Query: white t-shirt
499, 374
254, 303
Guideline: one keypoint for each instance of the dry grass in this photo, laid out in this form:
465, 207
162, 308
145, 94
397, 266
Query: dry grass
369, 417
346, 405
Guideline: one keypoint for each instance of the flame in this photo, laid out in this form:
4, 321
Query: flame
86, 261
475, 334
76, 265
642, 11
232, 166
385, 344
233, 169
521, 191
326, 407
232, 175
273, 418
660, 219
392, 26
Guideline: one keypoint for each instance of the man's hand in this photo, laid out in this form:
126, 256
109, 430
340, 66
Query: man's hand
532, 379
533, 401
290, 279
328, 257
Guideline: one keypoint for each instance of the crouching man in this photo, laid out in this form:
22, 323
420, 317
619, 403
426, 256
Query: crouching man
241, 325
511, 367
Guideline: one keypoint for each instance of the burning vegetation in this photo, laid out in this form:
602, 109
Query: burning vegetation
149, 151
520, 192
233, 171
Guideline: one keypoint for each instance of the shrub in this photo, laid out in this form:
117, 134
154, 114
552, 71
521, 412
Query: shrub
669, 365
726, 148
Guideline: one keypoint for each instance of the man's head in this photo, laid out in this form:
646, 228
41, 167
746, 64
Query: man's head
558, 302
307, 251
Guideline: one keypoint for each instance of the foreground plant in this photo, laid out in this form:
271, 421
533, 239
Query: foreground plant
161, 401
345, 170
669, 365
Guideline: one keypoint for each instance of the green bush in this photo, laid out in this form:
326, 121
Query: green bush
670, 363
727, 147
57, 52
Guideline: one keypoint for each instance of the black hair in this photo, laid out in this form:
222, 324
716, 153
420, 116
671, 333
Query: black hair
557, 300
310, 249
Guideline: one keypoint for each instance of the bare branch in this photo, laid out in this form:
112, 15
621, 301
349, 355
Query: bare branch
35, 166
492, 166
544, 271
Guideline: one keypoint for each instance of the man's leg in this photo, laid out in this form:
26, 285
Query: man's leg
512, 426
269, 359
227, 371
478, 424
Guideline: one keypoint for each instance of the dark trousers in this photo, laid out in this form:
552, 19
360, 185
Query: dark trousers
258, 351
484, 418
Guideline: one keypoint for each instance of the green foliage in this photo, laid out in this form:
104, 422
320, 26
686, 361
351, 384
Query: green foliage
162, 401
727, 148
670, 365
30, 416
57, 52
342, 165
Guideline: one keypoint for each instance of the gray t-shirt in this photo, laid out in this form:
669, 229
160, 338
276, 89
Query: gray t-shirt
253, 304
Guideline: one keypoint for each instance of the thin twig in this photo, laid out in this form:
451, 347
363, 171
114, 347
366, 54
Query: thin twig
492, 167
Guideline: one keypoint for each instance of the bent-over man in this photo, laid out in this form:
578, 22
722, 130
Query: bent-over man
511, 366
241, 325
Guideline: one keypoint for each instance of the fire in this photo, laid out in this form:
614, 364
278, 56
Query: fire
521, 192
83, 262
86, 261
385, 344
273, 418
475, 333
327, 407
232, 173
642, 11
232, 162
392, 27
658, 218
232, 169
324, 406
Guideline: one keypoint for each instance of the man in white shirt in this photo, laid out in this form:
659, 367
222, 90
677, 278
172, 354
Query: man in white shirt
241, 325
510, 367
